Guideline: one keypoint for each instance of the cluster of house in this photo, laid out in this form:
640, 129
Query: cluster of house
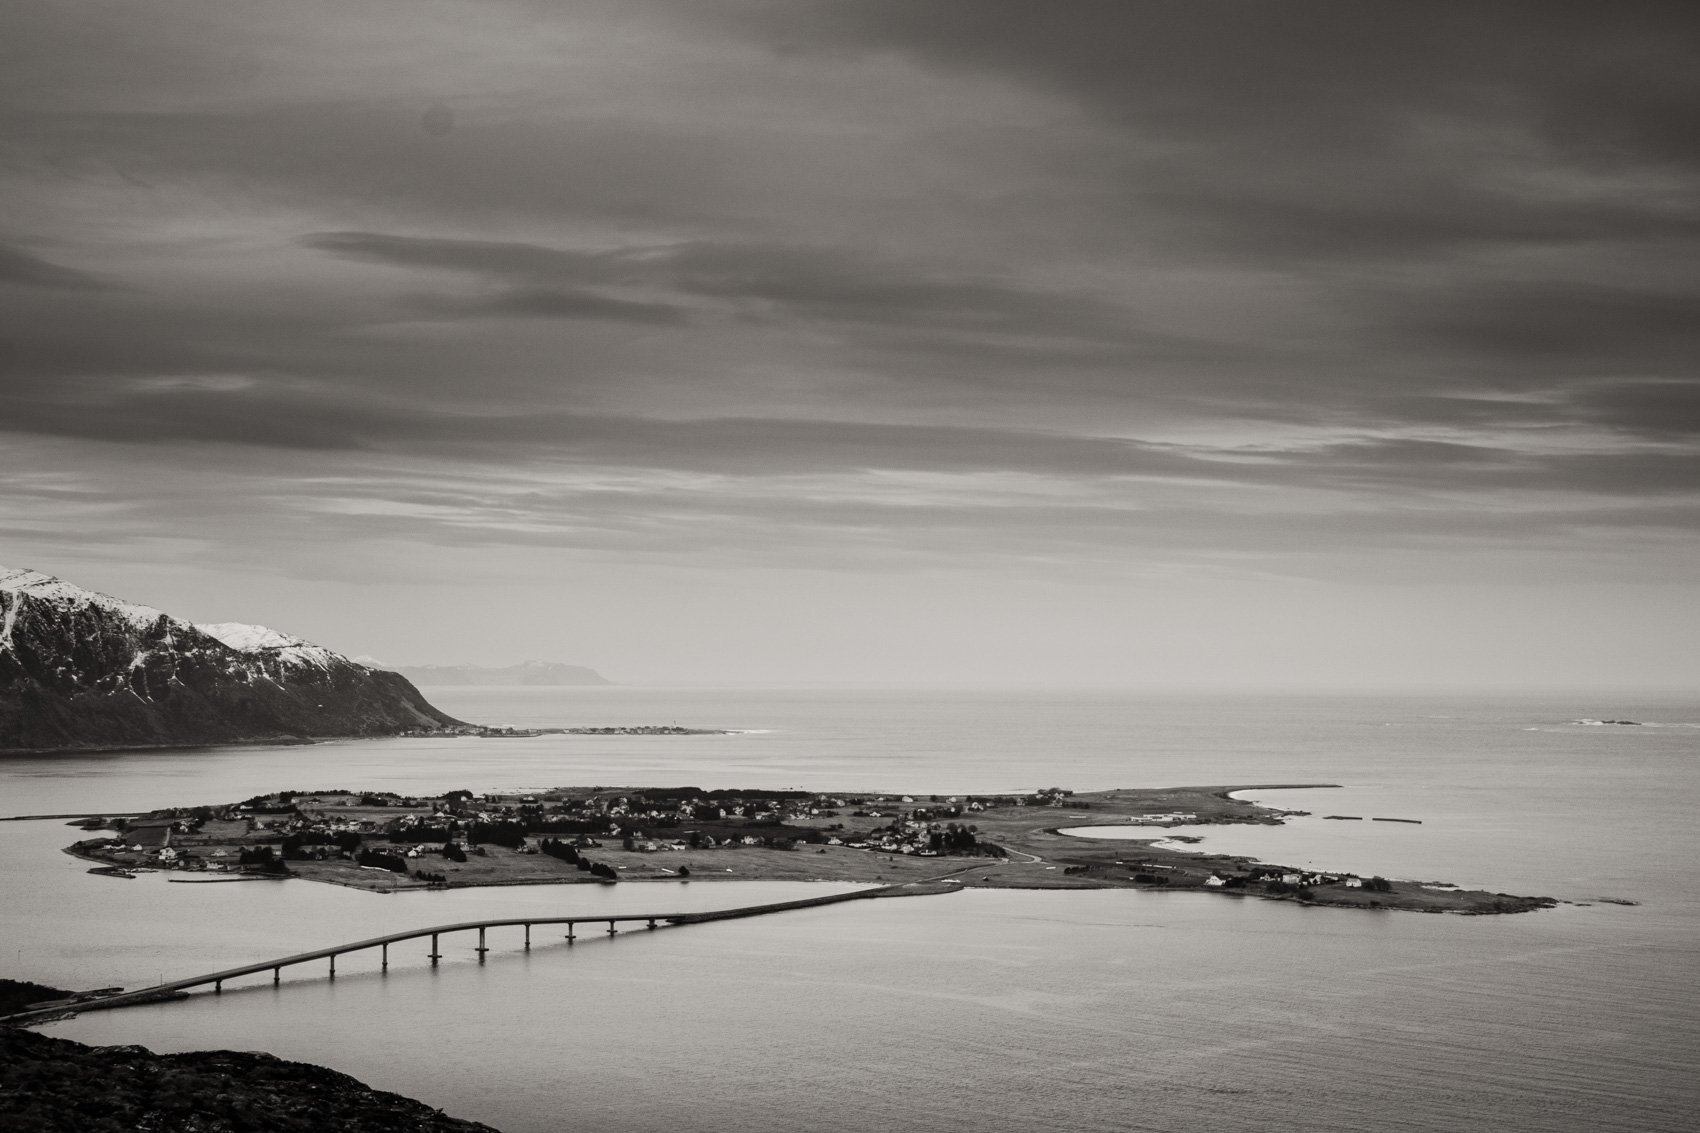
701, 841
660, 809
1296, 878
1167, 818
922, 827
1048, 796
301, 813
920, 834
642, 810
327, 824
646, 811
149, 839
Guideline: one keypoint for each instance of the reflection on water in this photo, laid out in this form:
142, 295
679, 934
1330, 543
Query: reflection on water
1005, 1011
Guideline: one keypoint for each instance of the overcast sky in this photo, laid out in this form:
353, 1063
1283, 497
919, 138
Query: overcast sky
1042, 342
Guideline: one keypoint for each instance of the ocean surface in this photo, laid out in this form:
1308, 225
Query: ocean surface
983, 1010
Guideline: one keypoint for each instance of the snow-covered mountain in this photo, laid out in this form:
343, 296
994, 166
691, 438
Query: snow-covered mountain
79, 669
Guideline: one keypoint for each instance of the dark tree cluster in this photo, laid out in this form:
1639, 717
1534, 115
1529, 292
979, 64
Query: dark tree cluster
281, 803
954, 839
509, 833
404, 833
567, 852
562, 824
395, 863
346, 841
556, 848
262, 857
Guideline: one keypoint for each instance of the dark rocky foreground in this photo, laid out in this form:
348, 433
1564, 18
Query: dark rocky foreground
49, 1085
82, 670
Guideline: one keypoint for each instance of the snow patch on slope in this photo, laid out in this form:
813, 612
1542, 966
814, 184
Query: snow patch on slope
250, 640
11, 603
22, 581
245, 638
287, 648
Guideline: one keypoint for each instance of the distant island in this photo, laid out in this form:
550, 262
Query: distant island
527, 673
383, 842
80, 670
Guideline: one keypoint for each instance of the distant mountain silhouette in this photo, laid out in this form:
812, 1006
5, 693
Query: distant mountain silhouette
525, 673
81, 670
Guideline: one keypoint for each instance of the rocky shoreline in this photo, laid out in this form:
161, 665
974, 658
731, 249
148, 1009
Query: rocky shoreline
53, 1085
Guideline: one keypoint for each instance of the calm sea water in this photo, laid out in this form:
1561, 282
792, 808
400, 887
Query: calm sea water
981, 1010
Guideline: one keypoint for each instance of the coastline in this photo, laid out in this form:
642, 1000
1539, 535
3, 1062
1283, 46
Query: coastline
680, 835
461, 732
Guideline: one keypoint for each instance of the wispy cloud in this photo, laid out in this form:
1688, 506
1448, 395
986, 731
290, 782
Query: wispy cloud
25, 269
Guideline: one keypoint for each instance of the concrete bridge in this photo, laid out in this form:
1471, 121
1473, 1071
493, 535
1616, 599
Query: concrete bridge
648, 921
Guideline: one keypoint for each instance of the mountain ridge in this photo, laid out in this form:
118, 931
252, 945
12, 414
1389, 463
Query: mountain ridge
82, 670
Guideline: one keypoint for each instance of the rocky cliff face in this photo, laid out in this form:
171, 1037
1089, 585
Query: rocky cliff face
84, 670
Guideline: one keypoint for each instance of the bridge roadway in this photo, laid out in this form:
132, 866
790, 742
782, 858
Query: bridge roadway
651, 920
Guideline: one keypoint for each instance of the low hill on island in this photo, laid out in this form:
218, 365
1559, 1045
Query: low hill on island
551, 673
83, 670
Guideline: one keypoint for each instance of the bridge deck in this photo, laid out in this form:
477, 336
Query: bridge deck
168, 989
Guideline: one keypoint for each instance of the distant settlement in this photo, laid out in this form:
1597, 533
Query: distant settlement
385, 842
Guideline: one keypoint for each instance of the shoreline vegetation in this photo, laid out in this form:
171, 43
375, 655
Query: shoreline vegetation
383, 842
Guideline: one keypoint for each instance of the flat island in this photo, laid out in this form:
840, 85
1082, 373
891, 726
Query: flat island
385, 842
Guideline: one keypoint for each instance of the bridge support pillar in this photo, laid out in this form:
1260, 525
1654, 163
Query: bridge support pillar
386, 959
277, 976
435, 955
570, 936
611, 929
218, 987
651, 924
481, 949
333, 967
528, 938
